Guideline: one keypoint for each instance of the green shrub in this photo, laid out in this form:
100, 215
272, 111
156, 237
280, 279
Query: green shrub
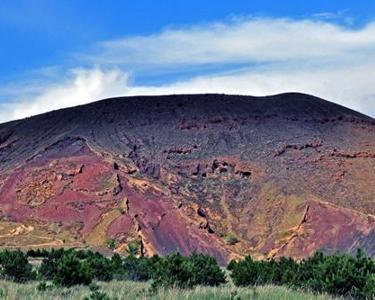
43, 286
339, 274
111, 244
133, 247
48, 267
171, 271
96, 294
71, 270
37, 253
245, 272
176, 270
15, 266
139, 269
231, 239
117, 266
100, 266
204, 270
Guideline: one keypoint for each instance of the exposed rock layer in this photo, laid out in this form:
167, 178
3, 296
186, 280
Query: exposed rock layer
285, 175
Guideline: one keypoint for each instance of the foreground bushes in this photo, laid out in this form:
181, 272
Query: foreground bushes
186, 272
70, 267
340, 274
71, 270
15, 266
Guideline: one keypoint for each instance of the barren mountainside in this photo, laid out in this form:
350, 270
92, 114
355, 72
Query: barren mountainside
225, 175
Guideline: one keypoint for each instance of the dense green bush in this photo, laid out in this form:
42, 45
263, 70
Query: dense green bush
98, 264
186, 272
251, 272
111, 244
15, 266
37, 253
340, 274
101, 266
205, 270
73, 267
171, 271
139, 269
48, 268
71, 270
134, 247
117, 266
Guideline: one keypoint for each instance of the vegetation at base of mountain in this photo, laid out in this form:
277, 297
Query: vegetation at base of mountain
15, 266
69, 267
336, 274
111, 244
180, 271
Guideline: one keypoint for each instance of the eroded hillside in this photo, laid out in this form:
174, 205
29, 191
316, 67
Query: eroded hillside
226, 175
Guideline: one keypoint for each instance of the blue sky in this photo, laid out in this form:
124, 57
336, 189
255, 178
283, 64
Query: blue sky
55, 53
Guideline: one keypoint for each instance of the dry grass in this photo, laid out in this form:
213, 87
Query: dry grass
136, 290
97, 236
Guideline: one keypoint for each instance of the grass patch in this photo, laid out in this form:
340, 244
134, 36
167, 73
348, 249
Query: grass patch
138, 290
231, 239
97, 236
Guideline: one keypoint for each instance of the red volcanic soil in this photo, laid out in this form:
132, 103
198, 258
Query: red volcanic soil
287, 175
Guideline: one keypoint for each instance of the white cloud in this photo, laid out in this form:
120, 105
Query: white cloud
81, 86
243, 41
273, 55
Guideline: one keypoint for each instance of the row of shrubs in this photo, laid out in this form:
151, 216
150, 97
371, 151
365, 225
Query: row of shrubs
339, 274
68, 267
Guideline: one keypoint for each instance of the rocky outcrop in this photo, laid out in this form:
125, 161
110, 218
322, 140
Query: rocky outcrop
364, 154
314, 145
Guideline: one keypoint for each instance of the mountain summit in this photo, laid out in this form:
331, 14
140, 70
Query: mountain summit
220, 174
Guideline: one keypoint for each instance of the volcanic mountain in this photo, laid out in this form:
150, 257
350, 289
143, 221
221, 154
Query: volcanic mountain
282, 175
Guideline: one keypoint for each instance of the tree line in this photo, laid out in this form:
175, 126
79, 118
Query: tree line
337, 274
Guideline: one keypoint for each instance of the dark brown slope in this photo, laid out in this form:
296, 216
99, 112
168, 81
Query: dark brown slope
286, 174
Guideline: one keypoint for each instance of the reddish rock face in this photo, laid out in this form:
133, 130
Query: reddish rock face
284, 175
